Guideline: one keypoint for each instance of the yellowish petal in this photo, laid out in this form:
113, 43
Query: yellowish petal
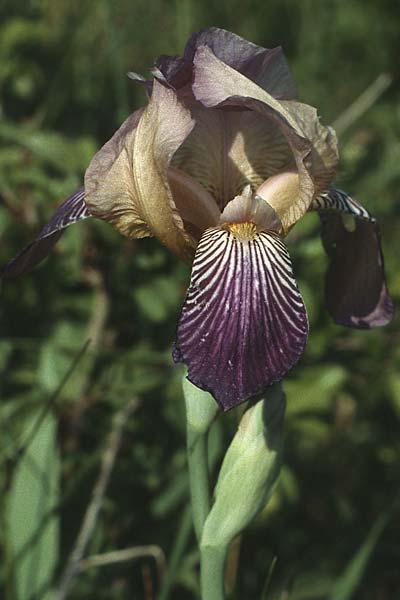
218, 85
280, 192
229, 149
127, 182
109, 185
195, 205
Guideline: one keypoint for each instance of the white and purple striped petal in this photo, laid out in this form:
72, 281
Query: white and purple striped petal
355, 285
72, 210
243, 324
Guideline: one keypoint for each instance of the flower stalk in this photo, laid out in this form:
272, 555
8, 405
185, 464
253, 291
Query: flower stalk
247, 478
201, 410
212, 576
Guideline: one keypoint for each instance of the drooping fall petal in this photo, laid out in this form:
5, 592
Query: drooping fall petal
243, 324
355, 286
127, 180
72, 210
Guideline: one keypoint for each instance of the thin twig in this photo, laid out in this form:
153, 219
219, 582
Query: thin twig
362, 103
95, 328
50, 402
128, 554
73, 568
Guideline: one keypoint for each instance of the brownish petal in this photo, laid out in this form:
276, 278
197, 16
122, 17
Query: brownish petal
229, 149
195, 205
267, 67
127, 182
218, 85
110, 192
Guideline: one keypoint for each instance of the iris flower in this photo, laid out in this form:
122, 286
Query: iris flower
219, 166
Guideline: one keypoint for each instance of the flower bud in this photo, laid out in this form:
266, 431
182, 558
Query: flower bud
249, 471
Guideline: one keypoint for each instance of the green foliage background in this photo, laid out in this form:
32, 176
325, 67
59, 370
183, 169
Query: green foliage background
63, 92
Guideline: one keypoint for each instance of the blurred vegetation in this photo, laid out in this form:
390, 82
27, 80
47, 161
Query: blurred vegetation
333, 524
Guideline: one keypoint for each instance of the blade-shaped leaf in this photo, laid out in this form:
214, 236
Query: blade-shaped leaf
349, 581
32, 530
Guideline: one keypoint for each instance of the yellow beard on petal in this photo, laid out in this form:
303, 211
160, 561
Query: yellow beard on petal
243, 232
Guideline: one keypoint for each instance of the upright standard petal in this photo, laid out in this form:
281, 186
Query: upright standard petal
218, 85
195, 205
229, 149
267, 67
243, 324
355, 286
127, 180
72, 210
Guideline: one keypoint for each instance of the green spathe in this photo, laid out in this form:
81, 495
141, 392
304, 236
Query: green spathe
249, 472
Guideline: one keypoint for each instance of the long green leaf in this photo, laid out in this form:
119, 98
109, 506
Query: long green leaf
32, 528
347, 584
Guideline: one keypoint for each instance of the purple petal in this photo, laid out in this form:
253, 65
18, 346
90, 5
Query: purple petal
355, 286
73, 209
267, 67
172, 70
243, 324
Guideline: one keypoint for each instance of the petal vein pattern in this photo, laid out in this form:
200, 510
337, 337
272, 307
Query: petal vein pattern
72, 210
338, 201
243, 324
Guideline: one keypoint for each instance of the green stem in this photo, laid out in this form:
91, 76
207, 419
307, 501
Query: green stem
197, 452
212, 572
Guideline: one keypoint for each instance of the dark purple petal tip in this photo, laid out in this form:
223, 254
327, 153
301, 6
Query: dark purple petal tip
267, 67
355, 286
73, 209
243, 324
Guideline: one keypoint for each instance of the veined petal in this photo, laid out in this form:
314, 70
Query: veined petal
218, 85
337, 201
229, 149
127, 181
72, 210
109, 185
243, 324
355, 286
